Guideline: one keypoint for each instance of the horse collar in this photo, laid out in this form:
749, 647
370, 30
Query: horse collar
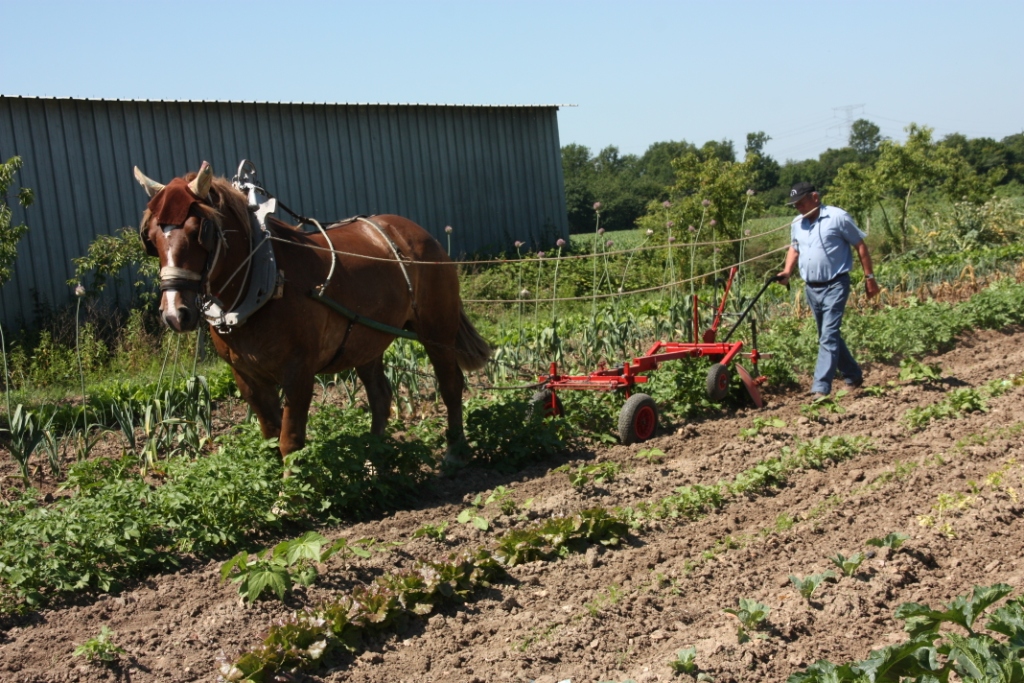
261, 265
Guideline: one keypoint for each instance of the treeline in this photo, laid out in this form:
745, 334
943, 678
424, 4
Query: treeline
870, 174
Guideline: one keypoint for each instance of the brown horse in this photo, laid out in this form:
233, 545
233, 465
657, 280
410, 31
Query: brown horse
201, 227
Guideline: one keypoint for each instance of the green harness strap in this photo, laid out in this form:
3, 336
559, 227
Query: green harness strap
356, 318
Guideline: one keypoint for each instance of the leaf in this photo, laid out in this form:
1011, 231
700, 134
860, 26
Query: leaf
464, 516
1009, 621
264, 576
824, 671
481, 523
239, 561
916, 657
306, 547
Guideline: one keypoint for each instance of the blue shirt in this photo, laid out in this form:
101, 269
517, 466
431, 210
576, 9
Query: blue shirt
825, 244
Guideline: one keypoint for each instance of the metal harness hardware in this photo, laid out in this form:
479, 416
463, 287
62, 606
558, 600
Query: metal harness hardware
265, 280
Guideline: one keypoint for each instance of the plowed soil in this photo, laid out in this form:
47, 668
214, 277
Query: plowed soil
623, 613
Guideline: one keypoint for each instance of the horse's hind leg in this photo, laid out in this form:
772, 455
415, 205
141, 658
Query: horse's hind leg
378, 392
451, 384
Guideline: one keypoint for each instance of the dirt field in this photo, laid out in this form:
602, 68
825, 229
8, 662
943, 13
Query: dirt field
618, 614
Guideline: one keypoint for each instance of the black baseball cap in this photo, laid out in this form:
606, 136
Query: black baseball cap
799, 191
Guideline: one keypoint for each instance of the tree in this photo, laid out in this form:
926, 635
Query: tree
903, 171
764, 169
1013, 145
10, 234
656, 163
723, 184
722, 150
865, 138
578, 175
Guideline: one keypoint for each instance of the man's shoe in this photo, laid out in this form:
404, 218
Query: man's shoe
816, 395
855, 385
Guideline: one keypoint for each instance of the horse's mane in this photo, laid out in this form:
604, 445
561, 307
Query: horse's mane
227, 199
229, 202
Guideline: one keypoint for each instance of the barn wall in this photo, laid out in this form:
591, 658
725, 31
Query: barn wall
493, 173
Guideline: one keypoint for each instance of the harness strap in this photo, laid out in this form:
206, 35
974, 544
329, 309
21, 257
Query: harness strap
394, 250
356, 318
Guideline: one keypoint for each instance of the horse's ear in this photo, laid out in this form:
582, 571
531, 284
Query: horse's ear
151, 186
200, 185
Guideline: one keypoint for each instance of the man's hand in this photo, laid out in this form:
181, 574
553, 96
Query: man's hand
783, 278
872, 287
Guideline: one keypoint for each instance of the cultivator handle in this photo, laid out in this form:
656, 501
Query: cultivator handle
767, 283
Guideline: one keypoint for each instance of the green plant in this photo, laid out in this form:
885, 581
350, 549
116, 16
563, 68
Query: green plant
807, 585
751, 615
25, 434
878, 390
299, 642
651, 455
827, 403
101, 647
470, 515
957, 403
435, 532
502, 495
848, 565
934, 654
288, 562
916, 372
685, 661
10, 234
893, 541
601, 473
761, 423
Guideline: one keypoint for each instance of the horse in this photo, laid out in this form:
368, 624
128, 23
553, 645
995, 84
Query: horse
387, 274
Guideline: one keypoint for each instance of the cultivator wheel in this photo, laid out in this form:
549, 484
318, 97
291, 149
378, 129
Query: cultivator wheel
638, 419
547, 404
718, 382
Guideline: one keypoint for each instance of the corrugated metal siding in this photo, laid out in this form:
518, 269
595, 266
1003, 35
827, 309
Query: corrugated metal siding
493, 173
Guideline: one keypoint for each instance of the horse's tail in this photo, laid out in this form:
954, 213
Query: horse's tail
471, 350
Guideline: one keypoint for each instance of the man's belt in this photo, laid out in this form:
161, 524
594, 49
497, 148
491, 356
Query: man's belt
820, 285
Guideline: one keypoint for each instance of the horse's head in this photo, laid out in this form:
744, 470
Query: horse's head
183, 229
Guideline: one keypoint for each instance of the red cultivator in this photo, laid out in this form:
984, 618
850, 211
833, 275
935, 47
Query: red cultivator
639, 416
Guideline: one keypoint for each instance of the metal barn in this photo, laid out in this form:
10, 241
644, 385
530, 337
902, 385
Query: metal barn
493, 173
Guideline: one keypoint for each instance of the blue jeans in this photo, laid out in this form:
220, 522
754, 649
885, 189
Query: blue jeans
828, 304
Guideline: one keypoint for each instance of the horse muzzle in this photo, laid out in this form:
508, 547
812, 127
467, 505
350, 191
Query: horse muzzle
181, 317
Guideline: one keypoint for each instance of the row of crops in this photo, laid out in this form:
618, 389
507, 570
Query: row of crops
94, 535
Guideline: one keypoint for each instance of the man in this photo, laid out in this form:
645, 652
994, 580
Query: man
822, 240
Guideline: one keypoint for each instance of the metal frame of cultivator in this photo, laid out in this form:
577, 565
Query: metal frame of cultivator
638, 418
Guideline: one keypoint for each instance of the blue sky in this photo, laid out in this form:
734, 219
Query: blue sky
638, 71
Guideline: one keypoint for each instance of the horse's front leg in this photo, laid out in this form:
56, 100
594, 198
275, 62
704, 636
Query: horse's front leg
298, 394
262, 398
378, 393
